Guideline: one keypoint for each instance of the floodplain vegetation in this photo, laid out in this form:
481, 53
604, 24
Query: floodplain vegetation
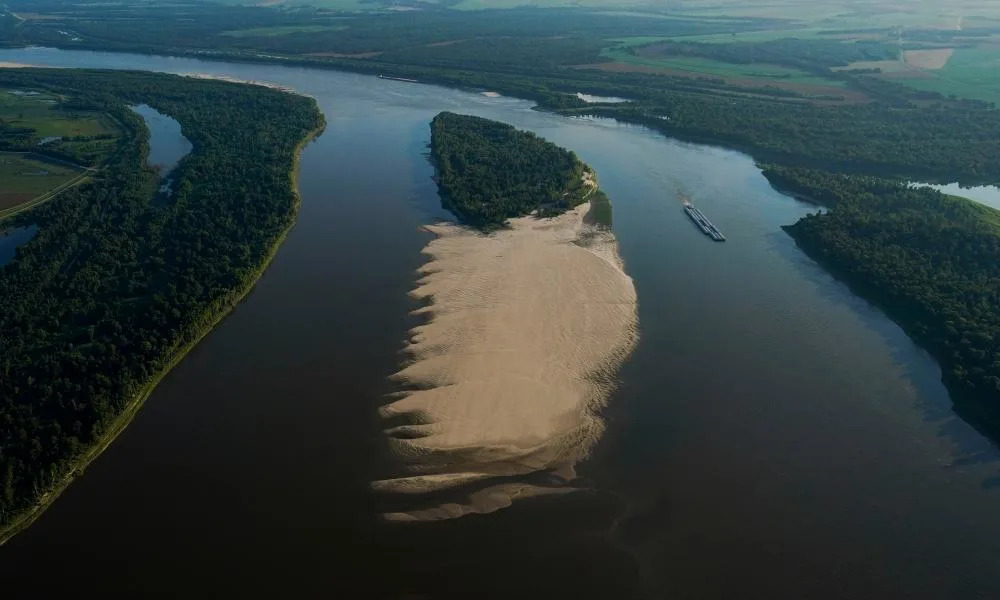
489, 171
114, 287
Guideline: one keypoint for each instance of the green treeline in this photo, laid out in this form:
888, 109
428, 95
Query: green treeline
489, 172
811, 55
930, 260
908, 140
543, 55
114, 286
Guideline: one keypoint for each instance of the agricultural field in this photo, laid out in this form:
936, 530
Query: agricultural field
966, 73
42, 112
24, 178
761, 74
344, 5
279, 31
38, 121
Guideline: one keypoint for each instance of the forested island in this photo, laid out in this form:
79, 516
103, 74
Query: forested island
115, 288
930, 260
489, 172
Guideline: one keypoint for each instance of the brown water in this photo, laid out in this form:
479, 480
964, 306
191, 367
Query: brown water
773, 436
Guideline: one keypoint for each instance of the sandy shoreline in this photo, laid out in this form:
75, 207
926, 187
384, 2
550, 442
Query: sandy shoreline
527, 328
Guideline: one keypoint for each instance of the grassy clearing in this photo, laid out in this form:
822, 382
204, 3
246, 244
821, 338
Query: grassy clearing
41, 112
279, 31
848, 13
23, 179
969, 73
747, 36
763, 72
488, 4
345, 5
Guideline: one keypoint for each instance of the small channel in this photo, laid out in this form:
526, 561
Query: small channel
983, 194
13, 237
167, 144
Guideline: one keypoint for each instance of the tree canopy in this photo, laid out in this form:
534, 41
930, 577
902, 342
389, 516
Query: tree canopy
930, 260
489, 171
114, 285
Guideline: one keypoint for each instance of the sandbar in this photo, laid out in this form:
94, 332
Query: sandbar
500, 394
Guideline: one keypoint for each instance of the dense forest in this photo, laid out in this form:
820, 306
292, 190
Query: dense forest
930, 260
114, 287
909, 140
489, 172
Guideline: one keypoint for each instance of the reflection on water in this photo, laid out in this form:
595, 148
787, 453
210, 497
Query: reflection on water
772, 436
984, 194
167, 145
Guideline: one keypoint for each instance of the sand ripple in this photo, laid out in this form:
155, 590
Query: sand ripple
527, 328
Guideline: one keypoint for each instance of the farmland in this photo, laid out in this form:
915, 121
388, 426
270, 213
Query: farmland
706, 66
42, 112
24, 178
44, 140
278, 31
968, 73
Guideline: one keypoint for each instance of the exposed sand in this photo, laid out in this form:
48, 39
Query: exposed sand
229, 79
928, 59
527, 328
16, 65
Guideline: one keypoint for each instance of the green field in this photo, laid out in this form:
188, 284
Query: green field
24, 179
347, 5
970, 73
42, 113
706, 66
276, 31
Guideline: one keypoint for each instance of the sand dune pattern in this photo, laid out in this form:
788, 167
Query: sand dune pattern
526, 329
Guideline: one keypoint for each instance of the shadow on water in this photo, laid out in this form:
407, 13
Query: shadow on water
167, 147
12, 238
963, 422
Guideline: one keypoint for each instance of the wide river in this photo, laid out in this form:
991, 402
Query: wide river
773, 436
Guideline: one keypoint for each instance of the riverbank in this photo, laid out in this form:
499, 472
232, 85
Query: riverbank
527, 327
27, 517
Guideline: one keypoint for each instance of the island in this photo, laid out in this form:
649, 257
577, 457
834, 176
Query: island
116, 286
528, 315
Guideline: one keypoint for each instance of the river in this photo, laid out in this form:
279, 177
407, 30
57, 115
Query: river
773, 436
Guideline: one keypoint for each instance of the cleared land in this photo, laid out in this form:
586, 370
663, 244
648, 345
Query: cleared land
967, 73
928, 59
278, 31
42, 112
824, 91
24, 178
762, 73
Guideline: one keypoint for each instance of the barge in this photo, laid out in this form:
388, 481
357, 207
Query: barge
381, 76
703, 223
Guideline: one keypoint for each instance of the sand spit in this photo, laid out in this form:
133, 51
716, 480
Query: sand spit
229, 79
17, 65
526, 330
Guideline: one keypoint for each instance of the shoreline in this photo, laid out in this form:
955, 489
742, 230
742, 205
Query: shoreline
27, 517
502, 386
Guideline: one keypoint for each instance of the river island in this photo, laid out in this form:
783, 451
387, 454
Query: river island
529, 313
